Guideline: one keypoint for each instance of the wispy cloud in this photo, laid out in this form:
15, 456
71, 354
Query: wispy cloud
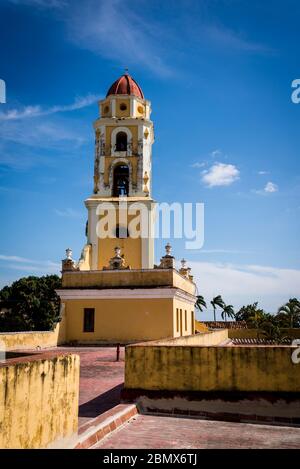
244, 284
118, 31
220, 251
47, 133
220, 174
198, 164
41, 3
37, 111
215, 153
29, 265
262, 173
224, 37
69, 213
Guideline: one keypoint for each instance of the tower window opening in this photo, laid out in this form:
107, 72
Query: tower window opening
121, 181
88, 319
122, 232
121, 141
123, 107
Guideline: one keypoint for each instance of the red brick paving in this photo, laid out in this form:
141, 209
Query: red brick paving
101, 380
145, 431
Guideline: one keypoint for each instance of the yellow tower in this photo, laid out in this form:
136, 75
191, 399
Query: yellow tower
122, 179
115, 293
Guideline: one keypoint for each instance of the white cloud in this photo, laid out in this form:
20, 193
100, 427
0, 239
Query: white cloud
37, 111
271, 187
261, 173
244, 284
215, 153
220, 174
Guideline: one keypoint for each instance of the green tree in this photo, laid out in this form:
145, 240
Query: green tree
200, 303
29, 304
270, 330
228, 311
251, 314
289, 314
216, 301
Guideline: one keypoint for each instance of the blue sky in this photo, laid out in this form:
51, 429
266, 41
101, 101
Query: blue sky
218, 74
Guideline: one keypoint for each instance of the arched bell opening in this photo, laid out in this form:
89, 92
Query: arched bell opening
121, 181
121, 141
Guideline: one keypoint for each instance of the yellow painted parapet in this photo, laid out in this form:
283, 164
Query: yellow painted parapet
33, 339
38, 401
127, 278
189, 367
200, 326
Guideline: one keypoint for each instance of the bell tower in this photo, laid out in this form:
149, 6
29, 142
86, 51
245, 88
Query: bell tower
121, 205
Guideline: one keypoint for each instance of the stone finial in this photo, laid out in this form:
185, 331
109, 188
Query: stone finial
185, 271
167, 261
117, 262
168, 249
68, 263
117, 251
69, 254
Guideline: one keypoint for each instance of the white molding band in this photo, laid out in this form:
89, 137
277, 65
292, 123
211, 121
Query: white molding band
125, 293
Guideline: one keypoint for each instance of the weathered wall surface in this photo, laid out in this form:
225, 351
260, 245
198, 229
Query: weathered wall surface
33, 339
211, 368
255, 333
38, 400
206, 338
127, 278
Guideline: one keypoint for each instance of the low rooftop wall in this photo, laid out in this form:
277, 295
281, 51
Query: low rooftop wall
32, 339
185, 365
38, 400
137, 278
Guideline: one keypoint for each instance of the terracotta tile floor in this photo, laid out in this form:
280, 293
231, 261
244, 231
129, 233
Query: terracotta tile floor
101, 380
147, 431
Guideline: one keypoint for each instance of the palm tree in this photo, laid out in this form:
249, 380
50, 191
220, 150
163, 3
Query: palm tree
200, 303
216, 301
291, 310
227, 311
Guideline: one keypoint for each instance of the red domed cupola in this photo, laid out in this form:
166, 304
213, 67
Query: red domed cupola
125, 85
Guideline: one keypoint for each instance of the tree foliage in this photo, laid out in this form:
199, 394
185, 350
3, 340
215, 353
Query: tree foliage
30, 304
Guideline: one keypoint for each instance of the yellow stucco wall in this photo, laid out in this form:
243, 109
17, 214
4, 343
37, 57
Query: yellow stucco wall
121, 320
254, 333
134, 132
38, 401
33, 340
204, 338
109, 160
130, 278
212, 368
183, 318
200, 326
130, 247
